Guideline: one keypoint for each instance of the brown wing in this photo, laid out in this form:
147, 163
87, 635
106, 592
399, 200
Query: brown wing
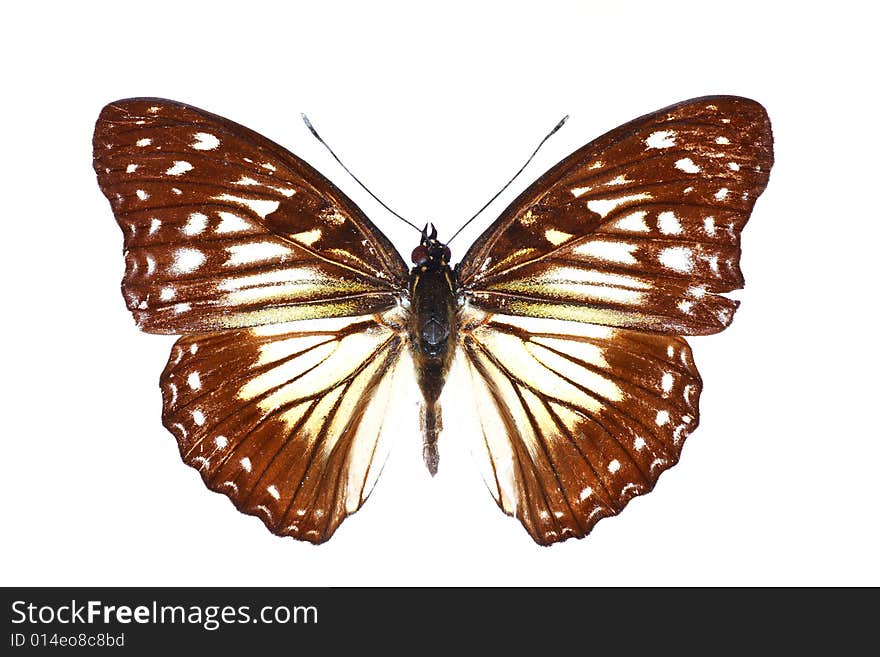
637, 229
286, 420
577, 418
224, 228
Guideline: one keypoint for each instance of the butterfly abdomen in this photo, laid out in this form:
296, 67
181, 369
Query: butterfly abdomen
433, 335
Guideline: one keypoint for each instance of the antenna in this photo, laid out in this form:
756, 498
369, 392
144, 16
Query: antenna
515, 176
336, 157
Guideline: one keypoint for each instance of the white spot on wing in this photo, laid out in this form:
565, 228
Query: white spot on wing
668, 223
609, 251
166, 294
614, 466
662, 418
187, 260
557, 237
687, 165
142, 195
144, 142
260, 207
155, 224
205, 141
709, 226
196, 223
231, 223
307, 237
603, 207
198, 417
194, 381
666, 382
661, 139
179, 168
721, 194
131, 168
240, 254
679, 258
246, 464
633, 222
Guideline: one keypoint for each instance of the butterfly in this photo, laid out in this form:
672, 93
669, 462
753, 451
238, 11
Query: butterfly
299, 318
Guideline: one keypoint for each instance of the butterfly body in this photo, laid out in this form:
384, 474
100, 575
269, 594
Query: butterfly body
300, 320
433, 333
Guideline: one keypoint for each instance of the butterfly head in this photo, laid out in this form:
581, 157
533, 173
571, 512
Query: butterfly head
430, 250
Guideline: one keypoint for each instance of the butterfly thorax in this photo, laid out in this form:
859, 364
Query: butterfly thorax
432, 331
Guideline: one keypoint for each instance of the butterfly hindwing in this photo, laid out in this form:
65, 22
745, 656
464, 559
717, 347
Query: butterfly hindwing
638, 229
224, 228
577, 418
286, 420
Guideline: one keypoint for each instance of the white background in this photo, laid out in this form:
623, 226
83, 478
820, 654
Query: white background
435, 109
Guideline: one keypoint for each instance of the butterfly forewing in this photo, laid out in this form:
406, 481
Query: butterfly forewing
577, 418
638, 229
287, 420
224, 228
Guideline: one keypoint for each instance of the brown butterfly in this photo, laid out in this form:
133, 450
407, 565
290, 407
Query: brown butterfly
298, 315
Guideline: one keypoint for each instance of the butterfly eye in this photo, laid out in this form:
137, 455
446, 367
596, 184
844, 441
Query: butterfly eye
419, 255
447, 254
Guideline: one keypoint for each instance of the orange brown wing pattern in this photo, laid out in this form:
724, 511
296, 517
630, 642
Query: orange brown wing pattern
225, 229
638, 229
577, 418
287, 420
